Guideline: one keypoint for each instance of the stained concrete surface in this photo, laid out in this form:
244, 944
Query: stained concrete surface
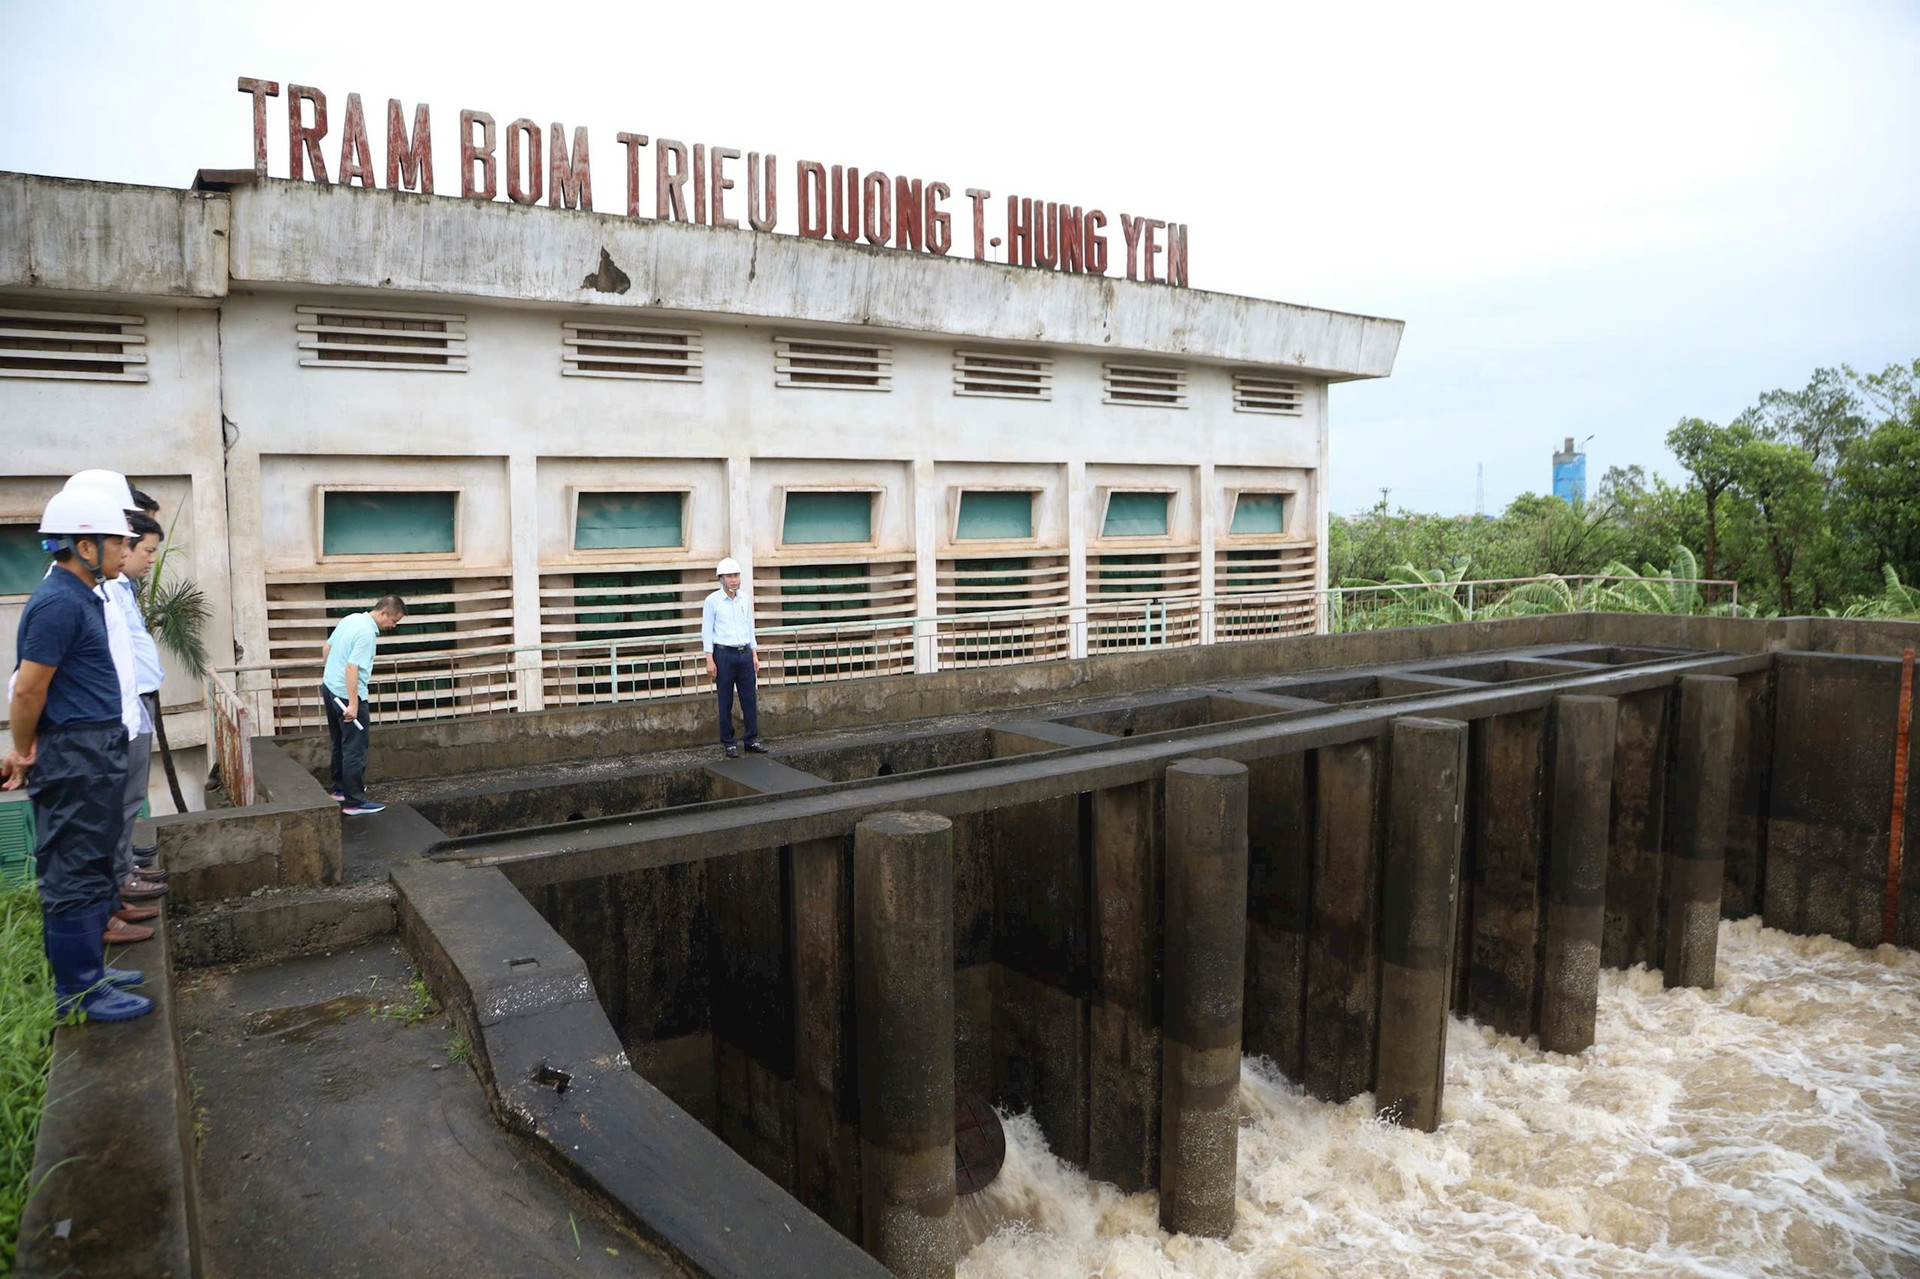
370, 844
337, 1142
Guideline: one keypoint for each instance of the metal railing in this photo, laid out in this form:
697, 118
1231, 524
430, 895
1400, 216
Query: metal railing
284, 695
231, 733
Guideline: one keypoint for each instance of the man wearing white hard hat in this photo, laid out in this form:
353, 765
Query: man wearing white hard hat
125, 633
70, 751
733, 656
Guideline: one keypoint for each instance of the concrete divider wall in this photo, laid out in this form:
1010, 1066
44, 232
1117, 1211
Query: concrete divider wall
1830, 803
290, 837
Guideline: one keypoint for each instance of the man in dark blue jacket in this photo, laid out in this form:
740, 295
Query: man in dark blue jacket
70, 752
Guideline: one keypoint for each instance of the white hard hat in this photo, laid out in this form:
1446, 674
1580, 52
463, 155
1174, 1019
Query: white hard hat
726, 566
111, 483
84, 513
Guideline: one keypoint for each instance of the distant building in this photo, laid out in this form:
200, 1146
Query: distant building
1570, 474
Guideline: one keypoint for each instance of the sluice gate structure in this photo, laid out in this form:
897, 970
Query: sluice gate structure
745, 1004
1118, 895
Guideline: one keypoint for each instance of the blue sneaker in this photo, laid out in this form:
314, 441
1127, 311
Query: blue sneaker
363, 808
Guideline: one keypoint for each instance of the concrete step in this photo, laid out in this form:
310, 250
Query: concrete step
277, 923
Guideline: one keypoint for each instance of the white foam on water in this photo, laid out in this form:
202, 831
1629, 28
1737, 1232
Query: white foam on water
1770, 1126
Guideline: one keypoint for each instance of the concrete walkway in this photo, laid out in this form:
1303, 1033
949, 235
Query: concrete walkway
336, 1141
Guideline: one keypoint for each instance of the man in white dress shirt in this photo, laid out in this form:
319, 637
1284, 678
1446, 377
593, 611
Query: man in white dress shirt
733, 658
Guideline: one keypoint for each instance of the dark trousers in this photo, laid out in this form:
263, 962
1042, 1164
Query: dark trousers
349, 737
733, 669
79, 775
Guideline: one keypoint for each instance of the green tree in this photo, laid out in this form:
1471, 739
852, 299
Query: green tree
1823, 418
1879, 502
1788, 493
1708, 450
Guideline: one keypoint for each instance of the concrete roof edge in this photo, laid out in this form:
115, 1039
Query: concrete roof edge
301, 233
83, 236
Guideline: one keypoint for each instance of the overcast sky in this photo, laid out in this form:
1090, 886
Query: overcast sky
1594, 220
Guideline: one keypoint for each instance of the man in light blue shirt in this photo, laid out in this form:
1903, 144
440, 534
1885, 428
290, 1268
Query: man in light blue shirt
733, 658
343, 687
124, 593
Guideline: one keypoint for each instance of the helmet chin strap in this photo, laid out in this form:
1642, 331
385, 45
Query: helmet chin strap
70, 543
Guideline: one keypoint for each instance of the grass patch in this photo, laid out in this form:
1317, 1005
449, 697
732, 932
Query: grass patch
416, 1007
459, 1051
26, 1046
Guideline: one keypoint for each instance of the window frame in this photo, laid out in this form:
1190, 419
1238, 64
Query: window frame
1169, 537
611, 554
320, 555
958, 493
876, 497
1289, 500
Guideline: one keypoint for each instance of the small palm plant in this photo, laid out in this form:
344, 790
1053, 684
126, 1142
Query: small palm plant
176, 613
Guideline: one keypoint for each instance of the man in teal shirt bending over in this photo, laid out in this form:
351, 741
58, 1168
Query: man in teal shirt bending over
343, 687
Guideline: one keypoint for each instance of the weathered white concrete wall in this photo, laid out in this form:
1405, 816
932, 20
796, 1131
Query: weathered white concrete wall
102, 237
165, 435
304, 234
518, 437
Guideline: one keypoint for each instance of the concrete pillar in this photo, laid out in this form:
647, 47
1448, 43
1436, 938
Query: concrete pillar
1580, 806
1207, 504
825, 1103
523, 506
1279, 907
1509, 776
1342, 954
1634, 856
1702, 789
903, 1012
1421, 891
1205, 966
1123, 1076
928, 505
1075, 489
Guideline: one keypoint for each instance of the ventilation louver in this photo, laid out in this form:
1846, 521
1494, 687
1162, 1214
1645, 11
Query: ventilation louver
73, 345
1006, 377
345, 338
1255, 394
592, 349
1146, 385
822, 364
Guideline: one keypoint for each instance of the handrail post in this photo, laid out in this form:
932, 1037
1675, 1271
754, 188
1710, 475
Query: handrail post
1469, 601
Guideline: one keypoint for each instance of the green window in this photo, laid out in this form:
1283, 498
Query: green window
363, 523
1118, 575
1259, 513
828, 517
428, 627
976, 597
627, 602
826, 580
999, 516
22, 562
605, 521
1248, 571
1136, 515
